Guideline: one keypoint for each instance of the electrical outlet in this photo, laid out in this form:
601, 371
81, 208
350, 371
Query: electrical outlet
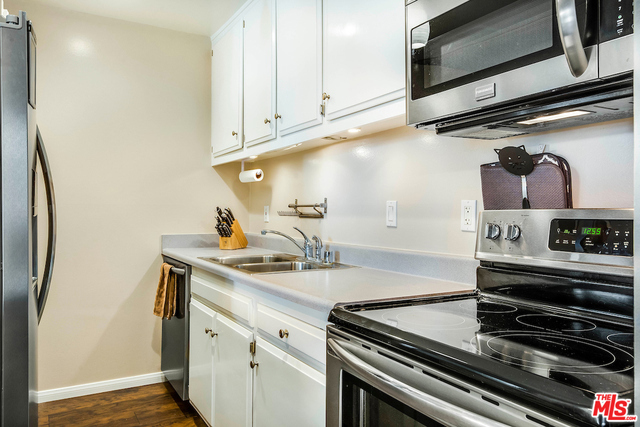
266, 214
392, 213
469, 215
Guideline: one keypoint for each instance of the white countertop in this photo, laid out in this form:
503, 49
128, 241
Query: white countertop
322, 290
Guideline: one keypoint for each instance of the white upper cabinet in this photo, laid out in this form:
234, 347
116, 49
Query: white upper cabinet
226, 91
363, 54
259, 72
299, 52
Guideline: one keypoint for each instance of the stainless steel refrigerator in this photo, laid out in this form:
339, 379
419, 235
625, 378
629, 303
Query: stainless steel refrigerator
22, 297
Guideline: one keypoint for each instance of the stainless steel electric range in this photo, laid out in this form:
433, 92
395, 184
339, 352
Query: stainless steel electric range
546, 338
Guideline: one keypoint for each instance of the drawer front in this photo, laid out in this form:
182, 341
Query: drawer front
296, 333
238, 306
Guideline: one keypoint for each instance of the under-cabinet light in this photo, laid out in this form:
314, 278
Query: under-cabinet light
553, 117
354, 130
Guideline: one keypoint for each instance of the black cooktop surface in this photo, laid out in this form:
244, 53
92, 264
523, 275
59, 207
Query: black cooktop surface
589, 354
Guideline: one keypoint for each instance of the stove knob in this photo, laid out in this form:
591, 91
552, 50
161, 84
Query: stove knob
513, 232
492, 231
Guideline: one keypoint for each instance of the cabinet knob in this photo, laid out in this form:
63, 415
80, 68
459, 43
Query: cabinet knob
252, 364
266, 121
325, 96
277, 116
210, 332
283, 333
234, 133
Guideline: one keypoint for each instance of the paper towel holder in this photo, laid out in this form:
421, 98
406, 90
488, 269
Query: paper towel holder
252, 175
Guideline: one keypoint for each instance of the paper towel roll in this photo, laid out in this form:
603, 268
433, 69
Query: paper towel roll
253, 175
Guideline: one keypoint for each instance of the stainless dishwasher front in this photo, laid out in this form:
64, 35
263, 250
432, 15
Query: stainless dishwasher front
175, 333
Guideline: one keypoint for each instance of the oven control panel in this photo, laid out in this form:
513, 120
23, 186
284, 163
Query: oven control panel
593, 240
592, 236
616, 19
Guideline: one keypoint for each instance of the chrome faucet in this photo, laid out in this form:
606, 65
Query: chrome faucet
308, 247
318, 248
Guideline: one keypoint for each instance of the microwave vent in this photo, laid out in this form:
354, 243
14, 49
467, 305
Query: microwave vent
489, 133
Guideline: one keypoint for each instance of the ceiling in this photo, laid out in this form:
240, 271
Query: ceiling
203, 17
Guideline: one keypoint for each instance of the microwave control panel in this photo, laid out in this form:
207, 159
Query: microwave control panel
592, 236
616, 19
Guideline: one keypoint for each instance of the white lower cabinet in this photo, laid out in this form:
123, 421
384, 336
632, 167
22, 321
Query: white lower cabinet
288, 393
232, 374
201, 323
239, 380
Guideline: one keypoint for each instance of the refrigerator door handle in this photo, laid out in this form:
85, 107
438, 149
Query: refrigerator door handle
51, 239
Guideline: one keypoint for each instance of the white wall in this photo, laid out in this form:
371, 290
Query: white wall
428, 175
124, 111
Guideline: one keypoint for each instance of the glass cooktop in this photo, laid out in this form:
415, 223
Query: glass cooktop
586, 353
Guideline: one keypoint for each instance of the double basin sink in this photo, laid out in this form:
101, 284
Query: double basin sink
272, 263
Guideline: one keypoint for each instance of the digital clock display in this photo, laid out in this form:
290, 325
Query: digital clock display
592, 236
592, 231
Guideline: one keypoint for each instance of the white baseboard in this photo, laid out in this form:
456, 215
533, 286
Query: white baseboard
98, 387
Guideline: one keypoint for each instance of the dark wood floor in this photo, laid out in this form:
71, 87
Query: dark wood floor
154, 405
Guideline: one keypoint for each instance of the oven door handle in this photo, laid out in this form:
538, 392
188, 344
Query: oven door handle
437, 409
570, 36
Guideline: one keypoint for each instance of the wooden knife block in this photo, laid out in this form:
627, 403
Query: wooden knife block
237, 240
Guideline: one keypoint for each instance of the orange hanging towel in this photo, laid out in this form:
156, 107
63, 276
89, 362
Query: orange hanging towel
165, 303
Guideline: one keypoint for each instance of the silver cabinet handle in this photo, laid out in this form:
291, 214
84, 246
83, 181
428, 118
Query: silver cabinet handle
267, 121
439, 410
570, 37
51, 240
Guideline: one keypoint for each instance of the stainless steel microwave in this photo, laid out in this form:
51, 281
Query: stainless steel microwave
469, 58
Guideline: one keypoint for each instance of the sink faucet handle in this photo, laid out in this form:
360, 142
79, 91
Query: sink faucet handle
306, 239
308, 249
318, 247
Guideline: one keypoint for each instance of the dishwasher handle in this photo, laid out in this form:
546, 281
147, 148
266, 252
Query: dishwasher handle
178, 271
437, 409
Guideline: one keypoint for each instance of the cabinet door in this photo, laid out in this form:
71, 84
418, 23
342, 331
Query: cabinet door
288, 393
259, 73
363, 54
232, 374
201, 323
299, 52
226, 91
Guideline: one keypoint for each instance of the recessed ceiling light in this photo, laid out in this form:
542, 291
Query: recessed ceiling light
553, 117
253, 157
354, 130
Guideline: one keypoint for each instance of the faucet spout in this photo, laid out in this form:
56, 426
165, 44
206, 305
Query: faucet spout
264, 232
307, 250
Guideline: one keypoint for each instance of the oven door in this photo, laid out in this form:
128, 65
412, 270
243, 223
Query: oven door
368, 386
466, 55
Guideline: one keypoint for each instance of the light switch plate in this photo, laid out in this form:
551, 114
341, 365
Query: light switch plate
469, 215
392, 213
266, 214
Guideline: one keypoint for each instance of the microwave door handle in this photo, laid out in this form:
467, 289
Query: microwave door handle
570, 37
52, 232
439, 410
